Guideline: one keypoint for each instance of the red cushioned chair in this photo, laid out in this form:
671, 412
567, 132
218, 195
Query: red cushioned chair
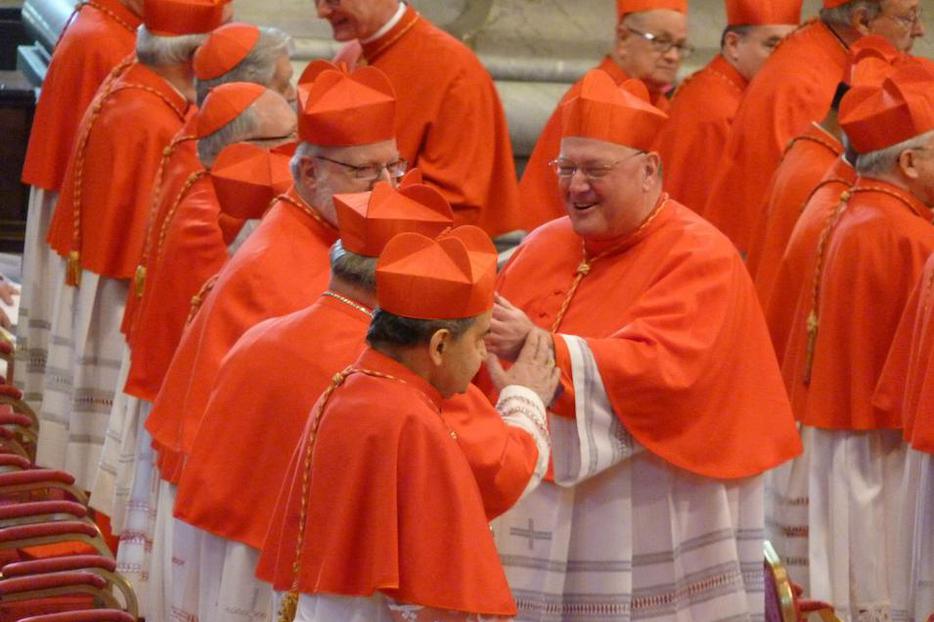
782, 597
10, 462
19, 428
104, 567
41, 512
32, 483
32, 538
14, 398
93, 615
52, 593
7, 352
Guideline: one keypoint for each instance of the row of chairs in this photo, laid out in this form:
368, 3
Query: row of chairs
55, 564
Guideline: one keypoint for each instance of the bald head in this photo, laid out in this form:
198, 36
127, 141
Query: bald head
269, 121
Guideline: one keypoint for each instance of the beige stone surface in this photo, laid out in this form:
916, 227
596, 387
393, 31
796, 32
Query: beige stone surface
545, 31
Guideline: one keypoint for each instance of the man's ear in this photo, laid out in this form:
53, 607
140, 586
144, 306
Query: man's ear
651, 168
730, 41
308, 173
437, 345
907, 166
861, 21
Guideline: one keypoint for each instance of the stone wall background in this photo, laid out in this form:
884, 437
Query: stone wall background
533, 48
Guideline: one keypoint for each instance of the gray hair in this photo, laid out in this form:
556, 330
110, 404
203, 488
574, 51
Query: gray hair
353, 268
882, 161
304, 150
158, 51
258, 67
241, 127
843, 14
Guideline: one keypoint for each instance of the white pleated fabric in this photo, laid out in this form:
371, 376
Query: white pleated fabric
41, 278
81, 374
786, 522
855, 491
623, 535
137, 529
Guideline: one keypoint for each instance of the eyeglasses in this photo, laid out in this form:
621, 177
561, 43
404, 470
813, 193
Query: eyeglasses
662, 44
910, 20
565, 169
370, 172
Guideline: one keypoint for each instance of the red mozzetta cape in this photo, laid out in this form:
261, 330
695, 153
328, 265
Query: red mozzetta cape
449, 120
393, 505
179, 161
541, 200
102, 35
220, 490
700, 117
190, 250
806, 161
791, 299
674, 325
106, 193
282, 267
873, 262
796, 86
906, 388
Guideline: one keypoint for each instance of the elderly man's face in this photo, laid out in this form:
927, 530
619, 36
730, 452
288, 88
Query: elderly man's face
900, 23
654, 61
605, 190
355, 19
750, 50
337, 170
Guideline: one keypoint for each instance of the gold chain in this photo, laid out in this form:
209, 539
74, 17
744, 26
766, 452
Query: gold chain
350, 303
583, 269
289, 606
305, 208
73, 266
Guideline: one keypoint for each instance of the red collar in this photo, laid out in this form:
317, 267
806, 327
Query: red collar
373, 49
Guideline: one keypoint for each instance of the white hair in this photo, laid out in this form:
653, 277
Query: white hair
353, 268
239, 128
258, 67
843, 14
157, 51
882, 161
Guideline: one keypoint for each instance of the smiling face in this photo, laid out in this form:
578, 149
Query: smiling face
647, 60
356, 19
618, 201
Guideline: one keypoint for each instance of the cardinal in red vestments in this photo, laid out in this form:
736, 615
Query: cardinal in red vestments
99, 38
99, 222
873, 258
346, 127
651, 42
662, 407
451, 123
795, 87
425, 344
703, 108
305, 349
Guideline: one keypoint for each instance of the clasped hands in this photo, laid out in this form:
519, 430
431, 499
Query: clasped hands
513, 337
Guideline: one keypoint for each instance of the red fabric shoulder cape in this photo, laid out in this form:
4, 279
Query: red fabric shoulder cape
906, 388
105, 196
673, 323
806, 161
256, 284
192, 251
796, 86
701, 114
101, 35
393, 506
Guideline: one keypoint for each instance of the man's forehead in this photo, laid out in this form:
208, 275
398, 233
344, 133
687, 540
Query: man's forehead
581, 148
660, 22
365, 154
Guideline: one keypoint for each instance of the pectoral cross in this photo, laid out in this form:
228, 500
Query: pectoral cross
530, 533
